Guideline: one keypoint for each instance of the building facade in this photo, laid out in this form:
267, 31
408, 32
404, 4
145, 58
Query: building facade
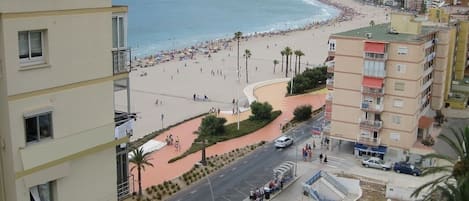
386, 78
61, 65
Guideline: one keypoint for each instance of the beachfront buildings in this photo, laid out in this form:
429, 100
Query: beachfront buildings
60, 65
387, 81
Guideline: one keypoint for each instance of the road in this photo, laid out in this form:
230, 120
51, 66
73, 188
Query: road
235, 181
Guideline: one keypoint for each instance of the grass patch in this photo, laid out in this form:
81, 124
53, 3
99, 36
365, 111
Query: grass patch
137, 143
245, 127
307, 91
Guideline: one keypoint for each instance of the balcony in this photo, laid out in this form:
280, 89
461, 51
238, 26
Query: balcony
373, 91
370, 107
329, 97
124, 123
371, 125
120, 59
369, 140
326, 129
330, 83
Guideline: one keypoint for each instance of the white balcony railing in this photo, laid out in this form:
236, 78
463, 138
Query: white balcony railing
374, 125
373, 91
367, 106
369, 140
120, 59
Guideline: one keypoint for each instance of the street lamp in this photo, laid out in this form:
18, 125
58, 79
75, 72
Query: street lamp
162, 119
291, 86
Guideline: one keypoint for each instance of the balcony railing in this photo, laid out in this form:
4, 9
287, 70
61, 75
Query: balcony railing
329, 97
375, 56
369, 140
370, 107
373, 91
330, 83
120, 59
373, 125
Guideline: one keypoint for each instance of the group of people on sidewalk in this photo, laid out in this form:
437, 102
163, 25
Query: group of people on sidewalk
170, 141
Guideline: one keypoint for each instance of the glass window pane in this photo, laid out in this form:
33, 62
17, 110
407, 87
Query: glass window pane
121, 32
23, 44
45, 125
45, 192
36, 43
114, 32
30, 125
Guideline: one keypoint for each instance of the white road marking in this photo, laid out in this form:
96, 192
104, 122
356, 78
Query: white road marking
242, 193
221, 176
233, 169
194, 191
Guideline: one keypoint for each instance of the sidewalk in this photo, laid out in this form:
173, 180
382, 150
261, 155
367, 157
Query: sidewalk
274, 93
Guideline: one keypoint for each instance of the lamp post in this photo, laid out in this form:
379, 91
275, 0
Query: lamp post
162, 119
237, 99
291, 86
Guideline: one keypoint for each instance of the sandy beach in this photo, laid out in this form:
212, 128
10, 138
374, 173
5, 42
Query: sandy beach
174, 83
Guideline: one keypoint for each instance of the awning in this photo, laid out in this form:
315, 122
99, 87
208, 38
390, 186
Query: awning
374, 47
378, 149
425, 122
371, 82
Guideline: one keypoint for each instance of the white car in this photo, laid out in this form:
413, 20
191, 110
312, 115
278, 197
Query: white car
374, 162
283, 141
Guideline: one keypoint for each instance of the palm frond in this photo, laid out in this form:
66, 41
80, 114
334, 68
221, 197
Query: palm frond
439, 156
437, 169
431, 184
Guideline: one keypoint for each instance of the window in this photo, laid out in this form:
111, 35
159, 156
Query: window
374, 68
402, 51
400, 68
118, 31
399, 86
331, 44
396, 119
38, 127
41, 192
31, 47
398, 103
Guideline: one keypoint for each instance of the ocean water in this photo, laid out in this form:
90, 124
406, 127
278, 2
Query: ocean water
157, 25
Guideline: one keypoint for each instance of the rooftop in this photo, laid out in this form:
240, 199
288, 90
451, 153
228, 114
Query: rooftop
380, 32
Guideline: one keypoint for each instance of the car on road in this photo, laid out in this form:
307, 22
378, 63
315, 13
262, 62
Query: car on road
407, 168
283, 141
374, 162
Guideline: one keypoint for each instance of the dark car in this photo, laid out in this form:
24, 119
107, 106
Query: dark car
407, 168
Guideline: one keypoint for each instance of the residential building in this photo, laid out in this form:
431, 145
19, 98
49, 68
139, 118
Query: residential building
386, 79
63, 74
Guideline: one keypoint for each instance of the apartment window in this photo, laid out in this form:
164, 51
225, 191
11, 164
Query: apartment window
31, 47
399, 86
400, 68
331, 44
38, 127
398, 103
374, 68
402, 51
41, 192
118, 31
396, 119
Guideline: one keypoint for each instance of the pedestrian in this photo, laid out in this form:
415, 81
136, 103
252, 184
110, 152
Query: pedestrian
194, 96
325, 159
156, 102
218, 111
320, 157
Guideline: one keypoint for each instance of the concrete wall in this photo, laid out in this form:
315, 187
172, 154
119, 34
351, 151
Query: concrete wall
404, 23
461, 51
77, 48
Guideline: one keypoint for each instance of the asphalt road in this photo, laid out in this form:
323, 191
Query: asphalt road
236, 180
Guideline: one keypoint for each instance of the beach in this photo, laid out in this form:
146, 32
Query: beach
163, 94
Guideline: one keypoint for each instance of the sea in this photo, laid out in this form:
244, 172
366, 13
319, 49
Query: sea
161, 25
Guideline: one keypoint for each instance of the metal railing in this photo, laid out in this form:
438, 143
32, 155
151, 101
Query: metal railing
374, 125
123, 190
367, 106
119, 61
372, 91
375, 56
330, 66
369, 141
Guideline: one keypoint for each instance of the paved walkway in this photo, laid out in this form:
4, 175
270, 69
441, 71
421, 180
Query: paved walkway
274, 93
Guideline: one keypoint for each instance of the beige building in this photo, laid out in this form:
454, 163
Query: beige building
387, 78
60, 63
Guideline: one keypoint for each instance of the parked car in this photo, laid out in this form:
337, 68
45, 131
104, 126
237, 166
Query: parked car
283, 141
374, 162
407, 168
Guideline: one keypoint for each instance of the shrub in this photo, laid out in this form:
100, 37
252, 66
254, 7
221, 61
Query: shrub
212, 125
428, 141
302, 112
261, 111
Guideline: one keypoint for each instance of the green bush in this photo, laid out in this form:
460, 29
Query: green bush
303, 112
212, 125
308, 80
261, 111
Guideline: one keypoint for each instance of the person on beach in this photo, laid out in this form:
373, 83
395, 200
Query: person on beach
320, 157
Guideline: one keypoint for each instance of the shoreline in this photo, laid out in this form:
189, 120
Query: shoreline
207, 48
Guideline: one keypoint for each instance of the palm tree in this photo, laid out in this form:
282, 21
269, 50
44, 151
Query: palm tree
454, 183
275, 63
238, 36
140, 159
296, 52
287, 52
283, 54
300, 54
291, 58
247, 55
